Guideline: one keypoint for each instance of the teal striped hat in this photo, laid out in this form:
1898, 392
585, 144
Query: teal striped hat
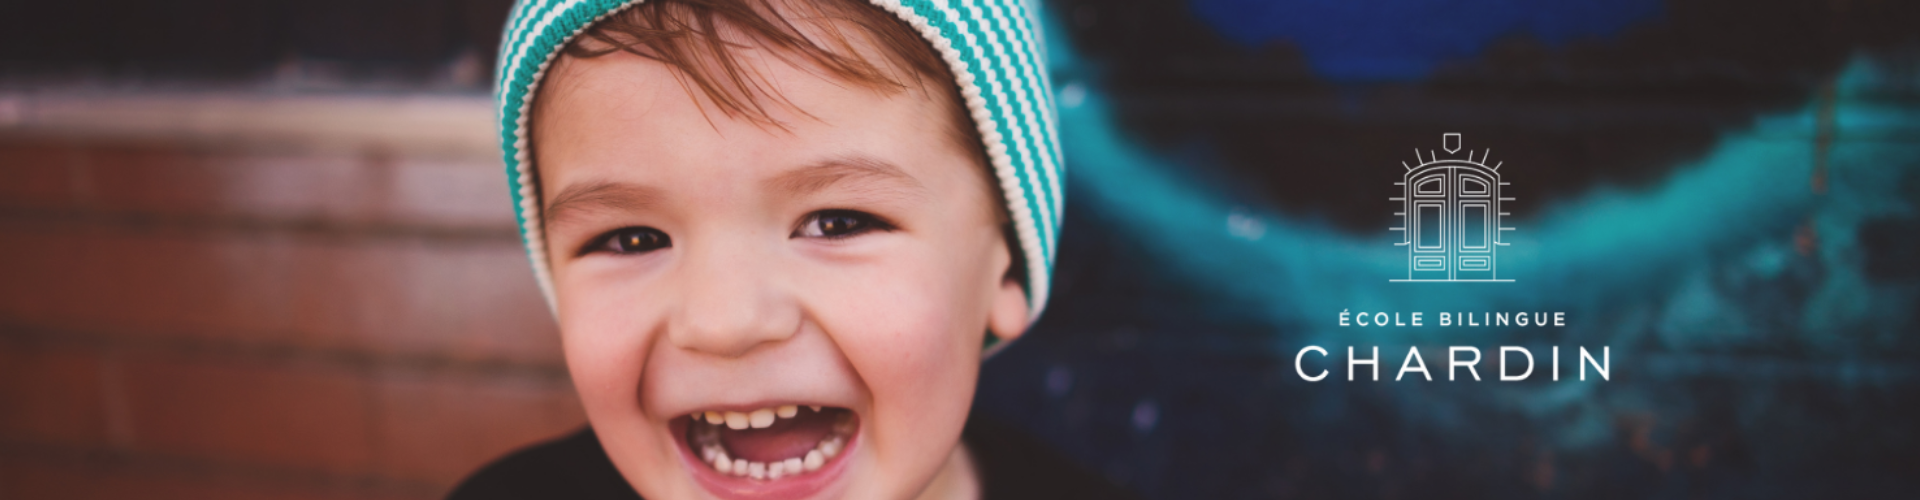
993, 48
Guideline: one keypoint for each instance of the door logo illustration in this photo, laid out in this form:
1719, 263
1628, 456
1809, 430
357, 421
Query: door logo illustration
1450, 215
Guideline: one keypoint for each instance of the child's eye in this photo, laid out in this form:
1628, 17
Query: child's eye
836, 224
630, 240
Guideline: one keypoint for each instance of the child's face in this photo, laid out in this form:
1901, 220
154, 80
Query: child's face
704, 263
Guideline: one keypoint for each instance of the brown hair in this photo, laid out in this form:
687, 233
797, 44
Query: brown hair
692, 37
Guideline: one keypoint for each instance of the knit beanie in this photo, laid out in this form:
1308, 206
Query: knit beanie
992, 47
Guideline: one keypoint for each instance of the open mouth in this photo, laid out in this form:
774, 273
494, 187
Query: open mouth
771, 443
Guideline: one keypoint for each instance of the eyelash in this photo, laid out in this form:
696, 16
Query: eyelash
634, 240
861, 223
646, 239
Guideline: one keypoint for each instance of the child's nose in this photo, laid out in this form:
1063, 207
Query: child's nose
733, 303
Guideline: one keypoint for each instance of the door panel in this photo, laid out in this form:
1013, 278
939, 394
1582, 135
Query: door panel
1431, 227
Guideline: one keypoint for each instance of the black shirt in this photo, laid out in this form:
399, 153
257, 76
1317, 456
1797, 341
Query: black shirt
1012, 466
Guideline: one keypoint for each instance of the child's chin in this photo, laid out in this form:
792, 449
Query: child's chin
755, 463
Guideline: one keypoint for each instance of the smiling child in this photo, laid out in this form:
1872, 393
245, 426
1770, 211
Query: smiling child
777, 236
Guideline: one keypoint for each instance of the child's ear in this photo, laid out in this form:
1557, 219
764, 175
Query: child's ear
1008, 319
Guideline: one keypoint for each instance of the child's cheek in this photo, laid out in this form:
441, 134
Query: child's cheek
602, 333
897, 311
905, 328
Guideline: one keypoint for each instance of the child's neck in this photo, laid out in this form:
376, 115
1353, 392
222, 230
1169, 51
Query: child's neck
957, 479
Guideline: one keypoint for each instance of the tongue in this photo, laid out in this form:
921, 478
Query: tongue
787, 438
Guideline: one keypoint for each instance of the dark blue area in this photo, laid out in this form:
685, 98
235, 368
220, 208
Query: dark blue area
1759, 301
1399, 40
1167, 383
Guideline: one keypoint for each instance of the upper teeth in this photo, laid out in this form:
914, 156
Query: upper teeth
706, 440
758, 419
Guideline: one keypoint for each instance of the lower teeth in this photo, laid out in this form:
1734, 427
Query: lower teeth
705, 437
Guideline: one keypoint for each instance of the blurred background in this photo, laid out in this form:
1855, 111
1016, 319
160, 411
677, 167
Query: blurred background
263, 249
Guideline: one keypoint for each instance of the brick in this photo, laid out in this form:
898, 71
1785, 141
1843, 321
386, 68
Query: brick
34, 479
438, 428
281, 415
464, 301
370, 187
39, 174
51, 397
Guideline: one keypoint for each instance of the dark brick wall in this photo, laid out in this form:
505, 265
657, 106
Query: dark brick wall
182, 321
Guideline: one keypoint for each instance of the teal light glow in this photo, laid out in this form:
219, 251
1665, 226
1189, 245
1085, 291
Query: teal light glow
1651, 272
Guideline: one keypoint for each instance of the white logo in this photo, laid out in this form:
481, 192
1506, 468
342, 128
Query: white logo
1450, 216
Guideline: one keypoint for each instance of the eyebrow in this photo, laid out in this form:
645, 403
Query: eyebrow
827, 173
621, 196
590, 195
